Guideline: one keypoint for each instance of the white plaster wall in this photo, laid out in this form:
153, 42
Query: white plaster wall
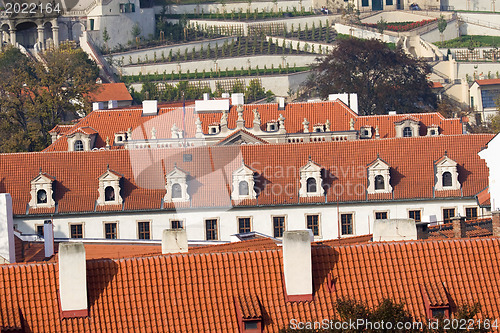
365, 34
476, 5
325, 48
230, 63
364, 215
150, 52
481, 69
396, 16
492, 159
451, 32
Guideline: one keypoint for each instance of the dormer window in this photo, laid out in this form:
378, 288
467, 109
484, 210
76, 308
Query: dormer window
310, 180
318, 128
78, 145
213, 129
366, 132
446, 174
407, 128
243, 183
109, 188
379, 176
120, 138
432, 130
176, 186
41, 191
272, 126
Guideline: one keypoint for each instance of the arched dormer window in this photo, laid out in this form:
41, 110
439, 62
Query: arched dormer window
109, 188
41, 197
379, 182
310, 180
41, 191
109, 193
447, 180
407, 127
243, 183
407, 132
176, 186
78, 146
379, 177
176, 191
243, 187
311, 185
446, 174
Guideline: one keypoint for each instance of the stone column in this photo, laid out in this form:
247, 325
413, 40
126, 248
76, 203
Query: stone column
41, 38
12, 36
55, 34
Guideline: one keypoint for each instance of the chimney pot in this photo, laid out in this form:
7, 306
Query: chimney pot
174, 241
459, 227
73, 280
48, 238
297, 265
495, 222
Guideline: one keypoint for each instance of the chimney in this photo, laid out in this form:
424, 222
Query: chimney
48, 238
72, 280
174, 241
149, 108
459, 227
206, 96
353, 102
97, 106
112, 104
226, 95
422, 230
7, 242
495, 222
281, 103
394, 230
297, 265
237, 99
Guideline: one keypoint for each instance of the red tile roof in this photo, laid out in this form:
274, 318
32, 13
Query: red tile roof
61, 129
474, 228
411, 159
483, 198
436, 85
110, 92
488, 82
197, 292
109, 122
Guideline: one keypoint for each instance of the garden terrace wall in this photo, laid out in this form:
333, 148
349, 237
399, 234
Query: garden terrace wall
433, 35
212, 7
280, 85
367, 33
150, 52
288, 22
482, 53
325, 48
403, 16
210, 64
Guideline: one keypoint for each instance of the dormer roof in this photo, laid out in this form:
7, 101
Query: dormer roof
311, 166
378, 164
43, 177
445, 161
110, 175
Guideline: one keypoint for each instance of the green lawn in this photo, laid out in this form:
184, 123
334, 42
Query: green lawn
471, 41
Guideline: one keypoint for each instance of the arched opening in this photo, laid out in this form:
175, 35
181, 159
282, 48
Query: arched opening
407, 132
78, 145
26, 34
379, 182
47, 33
41, 197
447, 181
311, 185
243, 188
176, 191
109, 193
5, 34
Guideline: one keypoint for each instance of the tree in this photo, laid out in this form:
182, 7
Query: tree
442, 24
254, 91
136, 31
105, 37
384, 79
381, 25
36, 97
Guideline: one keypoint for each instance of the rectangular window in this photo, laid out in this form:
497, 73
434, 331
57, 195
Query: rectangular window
278, 226
346, 224
177, 224
471, 213
381, 216
211, 229
243, 225
364, 3
110, 230
313, 224
144, 230
389, 2
39, 230
448, 213
415, 214
76, 231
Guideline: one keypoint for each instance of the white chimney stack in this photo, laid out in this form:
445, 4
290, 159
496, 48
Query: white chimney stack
97, 106
281, 103
206, 96
297, 265
7, 242
394, 230
353, 102
149, 108
237, 99
112, 104
174, 241
73, 280
48, 238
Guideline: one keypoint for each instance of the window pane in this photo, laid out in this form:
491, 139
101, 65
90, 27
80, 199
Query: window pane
415, 214
313, 224
176, 191
407, 132
447, 179
379, 182
110, 230
76, 231
278, 226
144, 230
211, 229
311, 185
381, 215
109, 193
39, 230
448, 214
243, 188
471, 213
177, 224
243, 225
346, 224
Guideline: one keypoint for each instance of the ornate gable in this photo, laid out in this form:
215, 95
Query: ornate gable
41, 191
379, 177
311, 184
109, 188
176, 186
446, 174
243, 183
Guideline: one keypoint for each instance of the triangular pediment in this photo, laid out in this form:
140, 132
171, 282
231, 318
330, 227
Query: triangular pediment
110, 175
310, 166
379, 164
244, 170
177, 173
445, 161
407, 120
241, 137
43, 178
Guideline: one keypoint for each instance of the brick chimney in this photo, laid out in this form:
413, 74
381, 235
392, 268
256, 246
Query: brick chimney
7, 241
459, 227
297, 265
174, 241
48, 238
72, 280
422, 230
495, 222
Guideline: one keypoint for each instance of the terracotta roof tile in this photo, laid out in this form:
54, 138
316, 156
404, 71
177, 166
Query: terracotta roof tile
488, 82
110, 92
